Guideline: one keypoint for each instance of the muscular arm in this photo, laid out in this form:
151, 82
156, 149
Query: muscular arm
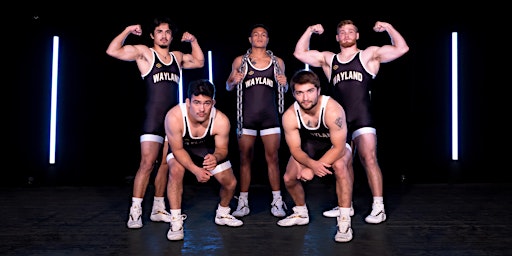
174, 131
292, 137
116, 48
235, 76
221, 133
311, 57
386, 53
336, 122
195, 59
136, 53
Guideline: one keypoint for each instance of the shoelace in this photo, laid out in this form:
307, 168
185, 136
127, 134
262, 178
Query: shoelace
138, 212
241, 206
295, 215
375, 213
131, 217
343, 225
276, 200
226, 216
179, 217
160, 212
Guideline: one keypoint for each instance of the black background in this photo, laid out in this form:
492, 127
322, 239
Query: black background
100, 103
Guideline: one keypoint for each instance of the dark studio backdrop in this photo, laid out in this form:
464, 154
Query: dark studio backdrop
101, 98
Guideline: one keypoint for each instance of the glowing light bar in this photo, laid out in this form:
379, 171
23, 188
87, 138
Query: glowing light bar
455, 116
180, 89
210, 66
53, 109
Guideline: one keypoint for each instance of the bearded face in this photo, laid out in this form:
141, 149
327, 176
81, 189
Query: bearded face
348, 43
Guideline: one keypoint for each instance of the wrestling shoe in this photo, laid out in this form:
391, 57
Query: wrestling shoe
335, 212
160, 215
224, 218
135, 217
176, 228
343, 230
277, 207
243, 207
377, 215
296, 218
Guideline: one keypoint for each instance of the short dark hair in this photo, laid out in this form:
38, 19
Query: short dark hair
259, 25
162, 19
304, 76
201, 87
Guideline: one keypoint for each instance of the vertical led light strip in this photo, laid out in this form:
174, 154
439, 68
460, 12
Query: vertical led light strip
210, 72
53, 114
180, 89
455, 116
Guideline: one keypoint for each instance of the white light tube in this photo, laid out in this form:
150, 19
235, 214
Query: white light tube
53, 109
455, 125
210, 66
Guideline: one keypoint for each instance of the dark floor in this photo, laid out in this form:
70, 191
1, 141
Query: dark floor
423, 219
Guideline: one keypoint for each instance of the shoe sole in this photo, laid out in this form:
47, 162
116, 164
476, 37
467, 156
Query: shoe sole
344, 241
176, 238
282, 214
294, 224
279, 215
225, 224
376, 222
155, 218
134, 226
239, 214
334, 214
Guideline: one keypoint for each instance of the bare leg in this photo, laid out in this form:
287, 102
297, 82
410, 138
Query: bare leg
228, 182
293, 185
161, 175
367, 149
149, 154
175, 184
271, 144
246, 146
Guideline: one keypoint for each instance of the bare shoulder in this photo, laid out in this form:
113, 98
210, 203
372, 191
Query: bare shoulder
221, 123
219, 114
288, 116
328, 55
174, 112
178, 55
238, 60
332, 104
334, 108
280, 61
369, 52
173, 121
221, 117
289, 111
143, 49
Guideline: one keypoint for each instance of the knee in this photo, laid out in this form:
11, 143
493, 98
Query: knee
146, 166
368, 159
176, 172
289, 179
307, 174
272, 157
231, 184
340, 170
